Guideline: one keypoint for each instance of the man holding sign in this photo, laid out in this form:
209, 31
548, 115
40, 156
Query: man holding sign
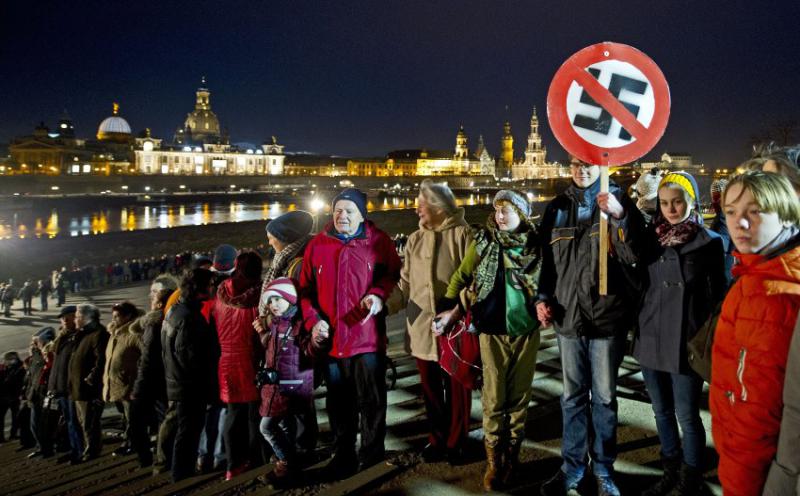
591, 327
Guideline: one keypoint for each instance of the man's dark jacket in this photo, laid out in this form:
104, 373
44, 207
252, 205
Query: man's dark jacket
189, 349
87, 363
570, 271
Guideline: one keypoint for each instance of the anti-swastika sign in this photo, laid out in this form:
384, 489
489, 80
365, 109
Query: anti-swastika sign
608, 104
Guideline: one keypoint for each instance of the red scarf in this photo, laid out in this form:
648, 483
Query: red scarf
676, 234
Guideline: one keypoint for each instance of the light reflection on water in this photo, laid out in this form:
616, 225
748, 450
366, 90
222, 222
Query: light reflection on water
43, 223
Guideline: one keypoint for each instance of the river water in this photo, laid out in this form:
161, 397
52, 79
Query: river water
66, 221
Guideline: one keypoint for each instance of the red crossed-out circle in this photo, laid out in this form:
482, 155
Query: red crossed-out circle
574, 70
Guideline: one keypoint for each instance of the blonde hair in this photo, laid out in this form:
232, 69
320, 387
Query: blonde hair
782, 163
772, 192
439, 196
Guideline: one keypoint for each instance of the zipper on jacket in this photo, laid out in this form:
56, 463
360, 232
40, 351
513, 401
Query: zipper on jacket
319, 270
740, 372
369, 266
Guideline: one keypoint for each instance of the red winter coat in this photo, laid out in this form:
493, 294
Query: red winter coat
748, 366
235, 309
336, 276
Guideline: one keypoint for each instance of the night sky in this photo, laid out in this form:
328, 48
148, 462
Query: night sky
366, 77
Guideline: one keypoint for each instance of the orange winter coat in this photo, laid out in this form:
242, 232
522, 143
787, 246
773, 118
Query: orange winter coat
748, 366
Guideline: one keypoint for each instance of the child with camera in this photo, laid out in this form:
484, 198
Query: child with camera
286, 379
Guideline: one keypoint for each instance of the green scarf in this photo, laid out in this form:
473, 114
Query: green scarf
522, 260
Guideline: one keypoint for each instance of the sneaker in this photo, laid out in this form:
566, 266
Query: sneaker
230, 474
606, 486
560, 485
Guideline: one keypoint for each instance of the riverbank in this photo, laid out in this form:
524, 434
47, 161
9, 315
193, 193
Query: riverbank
35, 258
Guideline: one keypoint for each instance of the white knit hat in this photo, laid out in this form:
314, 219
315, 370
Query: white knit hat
283, 288
647, 184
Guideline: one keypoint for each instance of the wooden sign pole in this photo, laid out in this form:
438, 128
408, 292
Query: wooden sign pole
603, 255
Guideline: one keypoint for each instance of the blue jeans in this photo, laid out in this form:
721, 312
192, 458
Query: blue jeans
210, 438
73, 429
676, 400
280, 433
589, 403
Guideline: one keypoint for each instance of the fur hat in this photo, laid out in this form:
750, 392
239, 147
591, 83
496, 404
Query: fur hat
282, 287
291, 226
514, 198
355, 196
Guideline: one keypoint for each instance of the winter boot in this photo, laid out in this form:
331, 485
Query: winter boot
690, 482
511, 461
668, 481
494, 466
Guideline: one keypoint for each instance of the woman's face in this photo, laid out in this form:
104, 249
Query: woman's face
428, 215
506, 217
672, 203
275, 243
750, 228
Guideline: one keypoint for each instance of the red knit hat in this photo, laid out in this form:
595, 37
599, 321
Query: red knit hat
282, 287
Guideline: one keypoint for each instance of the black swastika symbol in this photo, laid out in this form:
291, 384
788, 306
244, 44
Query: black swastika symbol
602, 124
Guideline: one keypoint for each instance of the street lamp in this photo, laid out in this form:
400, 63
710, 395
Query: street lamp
316, 206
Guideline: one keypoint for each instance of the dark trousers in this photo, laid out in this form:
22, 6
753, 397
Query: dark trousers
447, 405
141, 414
166, 436
189, 419
27, 306
26, 438
89, 414
241, 435
43, 300
5, 407
307, 429
356, 403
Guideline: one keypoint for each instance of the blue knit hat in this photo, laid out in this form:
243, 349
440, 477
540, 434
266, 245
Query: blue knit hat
355, 196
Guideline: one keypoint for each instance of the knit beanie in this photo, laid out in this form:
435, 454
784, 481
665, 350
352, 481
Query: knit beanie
515, 199
224, 257
291, 226
355, 196
647, 184
685, 181
282, 287
717, 187
46, 334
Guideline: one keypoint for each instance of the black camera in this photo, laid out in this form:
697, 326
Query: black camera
267, 375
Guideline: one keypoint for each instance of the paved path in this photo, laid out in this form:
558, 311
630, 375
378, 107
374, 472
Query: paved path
638, 444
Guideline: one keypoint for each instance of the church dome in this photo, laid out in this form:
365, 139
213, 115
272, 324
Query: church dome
114, 128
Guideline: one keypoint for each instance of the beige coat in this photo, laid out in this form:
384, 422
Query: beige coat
122, 357
431, 257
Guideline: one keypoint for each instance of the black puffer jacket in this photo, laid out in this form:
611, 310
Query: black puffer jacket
189, 350
87, 363
569, 279
150, 383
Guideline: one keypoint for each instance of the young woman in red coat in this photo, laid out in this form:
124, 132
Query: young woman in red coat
235, 309
755, 328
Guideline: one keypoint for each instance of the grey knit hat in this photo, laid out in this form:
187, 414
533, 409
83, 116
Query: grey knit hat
515, 198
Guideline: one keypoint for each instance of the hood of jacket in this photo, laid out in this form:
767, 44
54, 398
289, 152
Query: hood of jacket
452, 221
240, 293
780, 271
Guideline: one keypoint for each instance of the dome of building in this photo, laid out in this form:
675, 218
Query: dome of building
114, 128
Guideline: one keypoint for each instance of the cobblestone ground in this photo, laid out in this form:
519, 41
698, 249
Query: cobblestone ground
405, 473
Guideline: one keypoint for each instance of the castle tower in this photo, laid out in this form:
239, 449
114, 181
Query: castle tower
534, 153
461, 144
507, 145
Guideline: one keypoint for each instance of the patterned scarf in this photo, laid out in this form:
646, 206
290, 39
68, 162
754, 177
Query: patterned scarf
281, 260
524, 265
677, 234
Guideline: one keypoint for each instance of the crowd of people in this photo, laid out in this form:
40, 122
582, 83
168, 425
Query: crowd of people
224, 362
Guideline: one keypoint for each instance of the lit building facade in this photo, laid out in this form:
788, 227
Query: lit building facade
673, 161
423, 162
152, 157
